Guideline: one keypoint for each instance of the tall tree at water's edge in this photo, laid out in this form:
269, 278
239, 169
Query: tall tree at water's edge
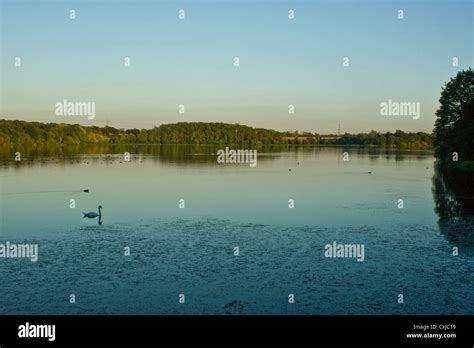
454, 126
453, 180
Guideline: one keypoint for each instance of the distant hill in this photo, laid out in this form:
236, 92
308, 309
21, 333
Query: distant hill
36, 134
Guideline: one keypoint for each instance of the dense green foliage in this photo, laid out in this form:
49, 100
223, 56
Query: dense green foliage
39, 134
454, 127
399, 139
35, 134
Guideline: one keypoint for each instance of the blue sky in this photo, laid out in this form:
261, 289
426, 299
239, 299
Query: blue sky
190, 61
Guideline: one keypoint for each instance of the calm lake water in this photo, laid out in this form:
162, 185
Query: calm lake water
190, 251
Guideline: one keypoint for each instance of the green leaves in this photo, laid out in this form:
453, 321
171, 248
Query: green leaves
454, 126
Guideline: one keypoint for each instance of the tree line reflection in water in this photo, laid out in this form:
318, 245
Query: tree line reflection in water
189, 153
453, 193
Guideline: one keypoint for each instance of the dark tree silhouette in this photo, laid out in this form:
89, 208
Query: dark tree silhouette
453, 181
454, 126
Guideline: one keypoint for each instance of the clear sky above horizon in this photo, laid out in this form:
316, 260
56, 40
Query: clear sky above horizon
190, 61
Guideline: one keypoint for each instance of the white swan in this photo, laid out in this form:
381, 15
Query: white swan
93, 214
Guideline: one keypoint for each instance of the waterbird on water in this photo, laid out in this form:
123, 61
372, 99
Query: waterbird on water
93, 214
50, 191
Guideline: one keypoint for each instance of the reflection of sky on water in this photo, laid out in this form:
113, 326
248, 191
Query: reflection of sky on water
226, 205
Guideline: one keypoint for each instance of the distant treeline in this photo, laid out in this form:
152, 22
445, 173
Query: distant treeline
399, 139
23, 133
